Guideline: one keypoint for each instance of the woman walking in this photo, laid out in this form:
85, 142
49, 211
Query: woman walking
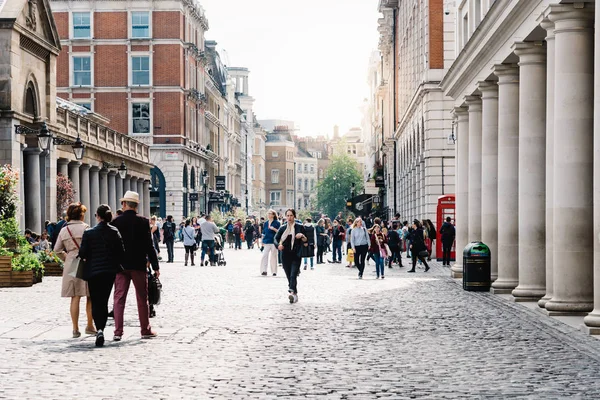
155, 231
308, 250
321, 240
378, 250
69, 240
102, 250
249, 234
270, 228
417, 246
189, 242
290, 238
359, 241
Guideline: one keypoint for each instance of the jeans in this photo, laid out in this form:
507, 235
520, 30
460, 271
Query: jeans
122, 282
269, 255
415, 255
208, 247
169, 243
359, 258
379, 264
337, 249
291, 266
408, 249
396, 255
320, 251
312, 259
100, 287
249, 241
446, 251
238, 242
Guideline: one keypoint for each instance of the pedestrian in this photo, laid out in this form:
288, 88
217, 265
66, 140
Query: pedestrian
69, 240
43, 244
32, 240
337, 233
270, 228
432, 236
137, 240
378, 250
230, 235
328, 229
197, 232
321, 240
261, 233
348, 235
169, 237
57, 229
189, 242
249, 234
448, 234
155, 231
360, 245
394, 243
406, 231
418, 249
103, 253
209, 230
308, 250
237, 232
290, 239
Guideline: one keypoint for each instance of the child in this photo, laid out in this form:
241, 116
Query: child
350, 257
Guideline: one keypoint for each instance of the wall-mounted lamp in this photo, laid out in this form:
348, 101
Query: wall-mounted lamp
45, 139
122, 169
451, 137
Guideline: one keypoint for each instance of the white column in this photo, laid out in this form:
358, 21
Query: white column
573, 160
508, 179
474, 104
140, 190
74, 177
94, 193
489, 168
462, 187
33, 205
104, 186
63, 166
113, 201
126, 184
119, 191
146, 191
532, 171
550, 60
84, 185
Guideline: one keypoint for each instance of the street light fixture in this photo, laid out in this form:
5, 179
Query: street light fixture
122, 169
204, 186
45, 139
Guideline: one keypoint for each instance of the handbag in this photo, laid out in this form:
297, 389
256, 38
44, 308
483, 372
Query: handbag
194, 246
424, 254
154, 289
76, 267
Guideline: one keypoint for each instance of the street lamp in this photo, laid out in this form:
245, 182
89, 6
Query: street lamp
204, 186
45, 139
246, 193
122, 169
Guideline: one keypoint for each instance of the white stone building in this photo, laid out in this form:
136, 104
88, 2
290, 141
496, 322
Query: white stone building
306, 178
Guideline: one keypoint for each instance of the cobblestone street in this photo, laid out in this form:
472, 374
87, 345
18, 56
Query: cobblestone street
227, 332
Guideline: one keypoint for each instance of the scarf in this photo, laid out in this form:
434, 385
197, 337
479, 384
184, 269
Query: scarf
289, 230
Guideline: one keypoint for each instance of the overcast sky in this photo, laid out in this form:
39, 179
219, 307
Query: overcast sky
307, 59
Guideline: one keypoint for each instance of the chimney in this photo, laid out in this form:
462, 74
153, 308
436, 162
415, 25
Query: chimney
336, 132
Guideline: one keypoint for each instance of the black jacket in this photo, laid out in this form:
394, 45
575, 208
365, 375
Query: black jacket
135, 231
448, 232
298, 243
417, 240
393, 238
102, 249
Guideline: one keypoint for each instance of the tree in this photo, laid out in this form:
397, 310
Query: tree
336, 187
65, 194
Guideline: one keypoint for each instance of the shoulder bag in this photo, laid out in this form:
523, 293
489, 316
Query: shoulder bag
194, 246
76, 267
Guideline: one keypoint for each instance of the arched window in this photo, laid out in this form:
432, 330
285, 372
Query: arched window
31, 107
306, 184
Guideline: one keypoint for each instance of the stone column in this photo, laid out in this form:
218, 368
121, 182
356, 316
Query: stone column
104, 186
462, 187
119, 191
573, 160
113, 201
532, 171
33, 204
94, 193
133, 184
489, 168
126, 184
63, 166
592, 320
84, 184
140, 190
474, 104
508, 179
550, 60
74, 177
146, 202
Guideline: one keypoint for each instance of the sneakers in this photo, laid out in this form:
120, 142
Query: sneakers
150, 335
291, 297
295, 298
274, 274
382, 277
305, 267
206, 263
99, 338
377, 277
117, 338
264, 273
427, 268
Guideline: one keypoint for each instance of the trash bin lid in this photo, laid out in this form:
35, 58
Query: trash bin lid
477, 249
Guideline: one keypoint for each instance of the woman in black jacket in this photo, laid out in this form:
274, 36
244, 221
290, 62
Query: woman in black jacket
102, 250
417, 246
291, 238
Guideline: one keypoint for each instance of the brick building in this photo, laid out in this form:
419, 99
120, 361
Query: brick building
142, 65
279, 165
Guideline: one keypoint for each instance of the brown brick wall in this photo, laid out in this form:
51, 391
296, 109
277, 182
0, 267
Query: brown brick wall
82, 95
76, 49
140, 48
140, 95
168, 65
436, 34
62, 68
167, 24
168, 113
61, 19
114, 107
110, 66
110, 25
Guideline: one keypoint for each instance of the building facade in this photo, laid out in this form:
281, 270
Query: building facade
280, 169
527, 118
306, 178
320, 149
259, 193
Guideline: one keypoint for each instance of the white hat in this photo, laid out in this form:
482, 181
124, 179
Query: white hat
133, 197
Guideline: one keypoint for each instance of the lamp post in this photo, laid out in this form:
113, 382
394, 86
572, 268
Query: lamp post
246, 193
204, 187
46, 140
121, 169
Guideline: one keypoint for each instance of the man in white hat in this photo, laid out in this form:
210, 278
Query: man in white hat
139, 249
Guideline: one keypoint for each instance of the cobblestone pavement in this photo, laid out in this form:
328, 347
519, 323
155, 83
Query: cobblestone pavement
229, 333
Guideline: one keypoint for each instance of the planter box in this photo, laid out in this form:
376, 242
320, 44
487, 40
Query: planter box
53, 269
21, 278
5, 270
37, 277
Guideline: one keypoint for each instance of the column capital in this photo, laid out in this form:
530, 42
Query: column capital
111, 172
548, 26
75, 164
473, 102
32, 151
103, 171
489, 90
506, 73
570, 17
63, 161
530, 52
85, 166
94, 168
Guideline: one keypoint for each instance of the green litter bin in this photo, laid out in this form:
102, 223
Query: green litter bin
477, 265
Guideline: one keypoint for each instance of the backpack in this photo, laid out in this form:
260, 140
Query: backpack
168, 230
236, 230
230, 228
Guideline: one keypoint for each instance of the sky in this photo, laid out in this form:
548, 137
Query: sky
308, 60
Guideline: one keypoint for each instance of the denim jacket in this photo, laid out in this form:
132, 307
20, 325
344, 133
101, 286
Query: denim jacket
269, 234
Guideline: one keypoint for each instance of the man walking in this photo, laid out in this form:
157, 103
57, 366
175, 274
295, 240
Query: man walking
337, 236
209, 229
169, 237
448, 234
137, 240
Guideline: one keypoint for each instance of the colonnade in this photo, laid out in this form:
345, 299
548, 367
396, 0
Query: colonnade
525, 168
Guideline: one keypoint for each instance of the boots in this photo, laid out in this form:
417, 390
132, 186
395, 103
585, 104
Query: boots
186, 259
192, 257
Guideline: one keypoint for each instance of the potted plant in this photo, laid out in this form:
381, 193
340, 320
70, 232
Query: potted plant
53, 265
9, 230
26, 269
5, 264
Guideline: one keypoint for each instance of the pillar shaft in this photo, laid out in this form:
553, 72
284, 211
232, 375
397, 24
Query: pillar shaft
33, 205
63, 167
532, 171
140, 190
462, 187
84, 185
474, 104
147, 198
508, 178
113, 201
74, 177
119, 192
126, 184
573, 161
94, 193
489, 168
104, 186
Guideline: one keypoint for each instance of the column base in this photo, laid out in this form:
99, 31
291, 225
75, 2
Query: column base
456, 271
494, 277
569, 308
528, 294
589, 330
544, 300
522, 299
494, 290
592, 321
561, 313
502, 284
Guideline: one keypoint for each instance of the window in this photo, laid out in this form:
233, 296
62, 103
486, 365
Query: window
141, 117
87, 105
321, 173
274, 176
306, 184
299, 167
81, 25
253, 167
275, 154
140, 24
312, 168
299, 184
289, 177
140, 70
82, 71
305, 168
305, 203
276, 198
299, 203
290, 198
312, 184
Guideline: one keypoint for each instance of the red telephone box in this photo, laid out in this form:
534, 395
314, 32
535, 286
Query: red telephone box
446, 207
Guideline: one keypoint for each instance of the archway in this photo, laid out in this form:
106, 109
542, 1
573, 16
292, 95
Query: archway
158, 198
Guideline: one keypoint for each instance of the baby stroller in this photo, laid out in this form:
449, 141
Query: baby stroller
219, 258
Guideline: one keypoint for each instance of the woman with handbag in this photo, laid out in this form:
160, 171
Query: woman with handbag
102, 250
69, 241
378, 249
189, 242
290, 239
321, 240
417, 246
